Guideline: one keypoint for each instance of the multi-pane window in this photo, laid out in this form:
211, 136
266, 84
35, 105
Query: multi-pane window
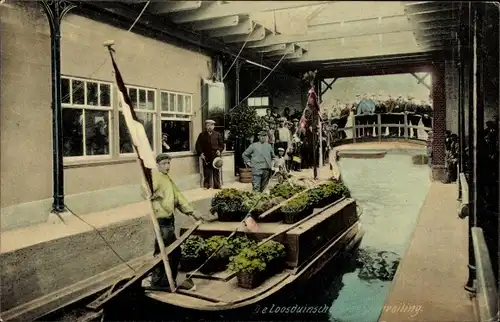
86, 117
144, 104
258, 101
176, 113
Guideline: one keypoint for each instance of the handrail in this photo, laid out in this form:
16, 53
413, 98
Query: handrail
407, 134
486, 291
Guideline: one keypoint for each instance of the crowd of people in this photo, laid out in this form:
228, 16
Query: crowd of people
286, 134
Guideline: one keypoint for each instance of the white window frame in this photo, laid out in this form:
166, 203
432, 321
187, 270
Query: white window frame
188, 119
257, 101
154, 112
86, 107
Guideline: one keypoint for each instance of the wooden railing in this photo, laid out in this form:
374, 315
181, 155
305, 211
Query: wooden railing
380, 130
486, 296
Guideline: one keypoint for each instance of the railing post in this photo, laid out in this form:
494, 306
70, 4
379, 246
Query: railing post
354, 132
406, 125
379, 126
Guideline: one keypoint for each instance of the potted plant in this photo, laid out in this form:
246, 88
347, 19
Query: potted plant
335, 190
286, 190
237, 244
217, 247
249, 267
296, 209
243, 121
317, 197
229, 205
268, 203
273, 253
192, 253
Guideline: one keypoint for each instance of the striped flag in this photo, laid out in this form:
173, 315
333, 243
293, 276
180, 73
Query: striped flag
136, 129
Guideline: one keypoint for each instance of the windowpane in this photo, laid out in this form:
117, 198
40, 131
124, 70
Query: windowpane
97, 132
132, 92
177, 116
151, 100
147, 120
265, 101
180, 103
65, 96
105, 98
142, 99
171, 102
251, 101
92, 93
72, 132
188, 105
164, 101
78, 92
175, 136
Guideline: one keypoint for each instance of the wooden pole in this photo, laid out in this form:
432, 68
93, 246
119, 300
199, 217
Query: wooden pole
159, 238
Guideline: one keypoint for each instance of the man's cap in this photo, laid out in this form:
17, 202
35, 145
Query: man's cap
209, 122
263, 133
281, 149
163, 156
295, 120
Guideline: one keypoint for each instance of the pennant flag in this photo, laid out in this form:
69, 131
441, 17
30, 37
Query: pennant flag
135, 128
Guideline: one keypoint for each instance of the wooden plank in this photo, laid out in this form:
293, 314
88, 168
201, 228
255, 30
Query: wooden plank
144, 270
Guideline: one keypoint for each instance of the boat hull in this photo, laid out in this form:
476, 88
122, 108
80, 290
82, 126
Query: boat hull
346, 243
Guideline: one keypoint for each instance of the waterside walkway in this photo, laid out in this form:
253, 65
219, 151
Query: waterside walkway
428, 285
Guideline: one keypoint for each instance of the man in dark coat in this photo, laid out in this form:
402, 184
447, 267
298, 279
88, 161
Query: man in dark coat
210, 145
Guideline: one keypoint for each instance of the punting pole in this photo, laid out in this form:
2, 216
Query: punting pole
121, 87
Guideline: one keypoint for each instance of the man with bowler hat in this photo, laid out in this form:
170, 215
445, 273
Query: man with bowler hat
210, 145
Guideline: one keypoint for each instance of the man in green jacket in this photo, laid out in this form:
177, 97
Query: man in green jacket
165, 198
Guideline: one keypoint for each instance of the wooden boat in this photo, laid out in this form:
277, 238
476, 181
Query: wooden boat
362, 154
310, 244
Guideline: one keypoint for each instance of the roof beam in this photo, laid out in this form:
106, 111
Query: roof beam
224, 22
165, 7
271, 48
219, 10
434, 15
426, 6
259, 33
347, 31
245, 27
296, 54
323, 52
290, 49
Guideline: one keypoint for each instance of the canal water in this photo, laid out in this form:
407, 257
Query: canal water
390, 192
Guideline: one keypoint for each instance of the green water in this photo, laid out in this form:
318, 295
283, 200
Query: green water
390, 191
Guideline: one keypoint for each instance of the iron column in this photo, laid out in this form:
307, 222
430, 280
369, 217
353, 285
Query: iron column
55, 10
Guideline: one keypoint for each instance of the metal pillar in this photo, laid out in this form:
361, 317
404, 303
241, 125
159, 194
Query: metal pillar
469, 286
55, 10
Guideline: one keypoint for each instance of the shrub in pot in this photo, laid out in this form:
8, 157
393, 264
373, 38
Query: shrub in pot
286, 190
193, 253
317, 197
296, 209
273, 253
249, 267
217, 247
229, 204
335, 190
237, 244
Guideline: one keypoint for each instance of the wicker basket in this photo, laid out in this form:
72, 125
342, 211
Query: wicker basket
250, 280
190, 264
293, 217
214, 265
231, 216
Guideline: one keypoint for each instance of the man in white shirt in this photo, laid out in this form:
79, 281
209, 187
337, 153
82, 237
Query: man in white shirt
284, 138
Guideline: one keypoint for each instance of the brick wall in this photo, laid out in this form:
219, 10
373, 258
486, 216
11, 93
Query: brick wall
439, 114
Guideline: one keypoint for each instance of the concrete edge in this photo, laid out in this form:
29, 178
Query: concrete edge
73, 293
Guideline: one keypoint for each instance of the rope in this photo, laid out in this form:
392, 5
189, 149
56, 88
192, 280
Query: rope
102, 237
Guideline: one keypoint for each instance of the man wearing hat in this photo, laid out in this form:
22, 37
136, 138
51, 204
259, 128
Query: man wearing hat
209, 146
259, 156
165, 198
